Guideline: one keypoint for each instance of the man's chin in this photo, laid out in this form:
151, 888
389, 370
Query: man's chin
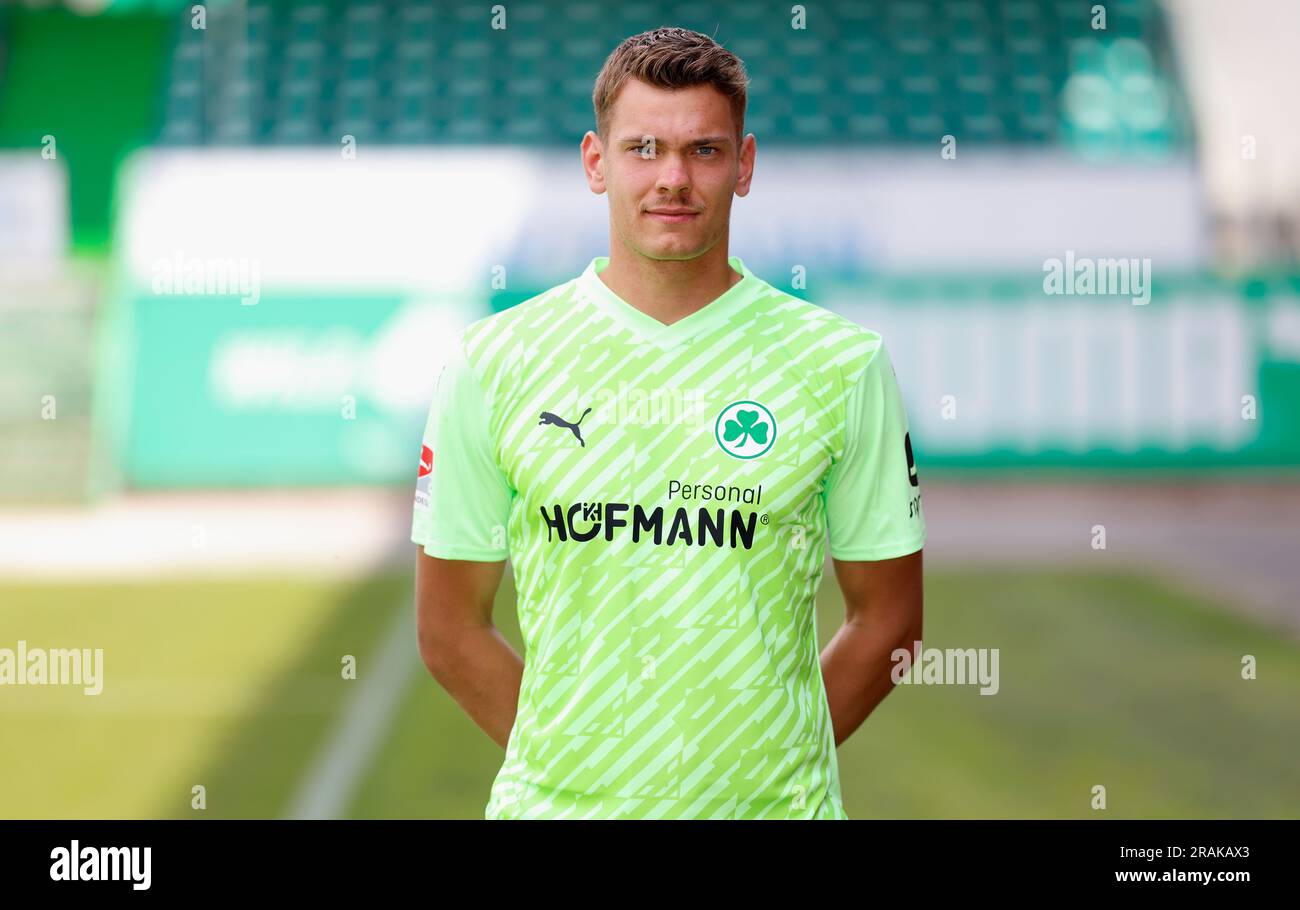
674, 248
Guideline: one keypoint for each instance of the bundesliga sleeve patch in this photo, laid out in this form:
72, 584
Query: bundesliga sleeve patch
422, 480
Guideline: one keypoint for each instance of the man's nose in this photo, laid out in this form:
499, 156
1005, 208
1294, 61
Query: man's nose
673, 176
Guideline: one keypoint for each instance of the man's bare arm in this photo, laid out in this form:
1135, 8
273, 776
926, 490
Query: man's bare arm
459, 644
883, 605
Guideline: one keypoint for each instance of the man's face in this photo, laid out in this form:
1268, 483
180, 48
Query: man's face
671, 166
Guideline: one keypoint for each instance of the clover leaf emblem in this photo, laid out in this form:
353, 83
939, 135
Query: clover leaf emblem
746, 426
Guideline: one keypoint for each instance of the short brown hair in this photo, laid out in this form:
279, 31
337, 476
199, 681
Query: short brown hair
671, 58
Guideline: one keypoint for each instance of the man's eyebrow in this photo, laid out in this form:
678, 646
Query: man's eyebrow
707, 140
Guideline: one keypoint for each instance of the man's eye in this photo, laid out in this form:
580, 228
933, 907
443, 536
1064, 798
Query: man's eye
711, 148
642, 149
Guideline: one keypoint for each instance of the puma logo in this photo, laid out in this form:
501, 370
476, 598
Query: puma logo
553, 420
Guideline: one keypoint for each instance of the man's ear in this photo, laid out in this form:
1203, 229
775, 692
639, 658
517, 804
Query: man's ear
745, 176
592, 154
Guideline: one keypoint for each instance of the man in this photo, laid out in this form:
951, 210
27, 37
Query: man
664, 447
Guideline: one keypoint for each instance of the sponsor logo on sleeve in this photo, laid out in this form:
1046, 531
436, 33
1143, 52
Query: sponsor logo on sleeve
914, 503
422, 480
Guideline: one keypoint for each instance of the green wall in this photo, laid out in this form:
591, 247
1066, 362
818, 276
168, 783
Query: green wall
95, 84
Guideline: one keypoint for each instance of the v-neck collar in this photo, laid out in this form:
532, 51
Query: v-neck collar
667, 334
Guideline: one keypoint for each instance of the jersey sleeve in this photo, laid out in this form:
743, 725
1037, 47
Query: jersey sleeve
462, 497
873, 493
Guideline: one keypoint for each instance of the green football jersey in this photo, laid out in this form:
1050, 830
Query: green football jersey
666, 495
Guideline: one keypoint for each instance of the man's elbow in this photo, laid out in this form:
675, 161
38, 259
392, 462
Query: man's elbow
436, 644
905, 630
912, 638
446, 639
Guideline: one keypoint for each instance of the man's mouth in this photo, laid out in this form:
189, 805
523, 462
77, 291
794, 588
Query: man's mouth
672, 216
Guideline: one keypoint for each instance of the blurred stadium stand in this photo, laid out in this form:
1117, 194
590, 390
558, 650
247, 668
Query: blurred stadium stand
991, 71
220, 143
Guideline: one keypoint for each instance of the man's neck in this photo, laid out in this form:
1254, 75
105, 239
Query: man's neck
669, 289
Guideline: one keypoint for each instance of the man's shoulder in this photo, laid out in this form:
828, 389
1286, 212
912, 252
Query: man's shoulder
521, 315
829, 339
500, 336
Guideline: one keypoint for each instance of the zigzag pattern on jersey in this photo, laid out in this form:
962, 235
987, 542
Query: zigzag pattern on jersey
735, 702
